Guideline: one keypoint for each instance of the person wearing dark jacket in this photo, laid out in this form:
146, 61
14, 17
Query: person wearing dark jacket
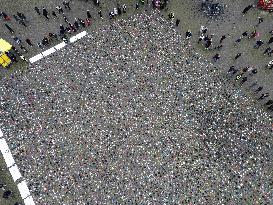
216, 57
238, 55
263, 96
177, 22
45, 13
246, 9
60, 10
37, 10
88, 14
269, 102
267, 51
258, 89
54, 14
9, 28
100, 13
270, 40
16, 18
81, 22
29, 42
76, 24
119, 10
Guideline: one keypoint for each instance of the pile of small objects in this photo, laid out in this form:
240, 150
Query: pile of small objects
212, 9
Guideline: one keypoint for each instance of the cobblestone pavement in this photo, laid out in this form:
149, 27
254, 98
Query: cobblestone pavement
231, 23
131, 115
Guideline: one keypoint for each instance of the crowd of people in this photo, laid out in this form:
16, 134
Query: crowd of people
129, 115
72, 26
243, 74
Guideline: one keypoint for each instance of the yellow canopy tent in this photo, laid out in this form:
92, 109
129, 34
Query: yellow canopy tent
4, 48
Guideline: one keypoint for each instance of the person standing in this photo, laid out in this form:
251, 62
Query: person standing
137, 6
238, 55
119, 10
97, 3
259, 43
260, 20
45, 41
37, 10
269, 102
201, 38
177, 22
100, 13
246, 9
188, 34
16, 17
13, 57
270, 40
60, 10
124, 8
88, 22
65, 18
253, 34
62, 29
222, 38
253, 72
6, 17
244, 34
29, 42
9, 28
17, 40
171, 16
263, 96
270, 107
21, 15
54, 14
45, 13
88, 14
258, 89
66, 5
208, 43
23, 49
82, 23
244, 79
267, 51
115, 11
233, 70
216, 57
22, 22
76, 24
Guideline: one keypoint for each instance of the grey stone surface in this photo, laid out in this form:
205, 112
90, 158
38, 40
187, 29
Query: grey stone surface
132, 115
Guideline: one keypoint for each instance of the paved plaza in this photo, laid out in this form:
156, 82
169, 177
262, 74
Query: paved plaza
131, 114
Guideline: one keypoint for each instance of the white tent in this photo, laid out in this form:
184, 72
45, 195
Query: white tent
29, 201
15, 173
23, 189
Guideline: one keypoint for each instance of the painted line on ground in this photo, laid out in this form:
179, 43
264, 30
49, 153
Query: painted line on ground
57, 47
14, 171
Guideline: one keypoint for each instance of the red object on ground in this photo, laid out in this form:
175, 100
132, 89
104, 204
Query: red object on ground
7, 18
266, 4
87, 22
